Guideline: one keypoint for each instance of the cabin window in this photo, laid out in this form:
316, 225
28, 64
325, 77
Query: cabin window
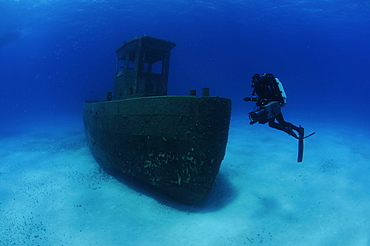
120, 67
128, 61
152, 62
157, 67
131, 61
131, 66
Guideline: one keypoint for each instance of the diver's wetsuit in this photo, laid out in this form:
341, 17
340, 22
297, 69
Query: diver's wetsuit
284, 125
269, 93
270, 98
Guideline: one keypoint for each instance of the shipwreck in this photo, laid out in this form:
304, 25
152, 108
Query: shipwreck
173, 144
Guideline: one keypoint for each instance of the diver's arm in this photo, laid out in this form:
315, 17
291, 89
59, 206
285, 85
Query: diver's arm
250, 99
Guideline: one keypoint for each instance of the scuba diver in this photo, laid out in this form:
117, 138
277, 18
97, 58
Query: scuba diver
269, 95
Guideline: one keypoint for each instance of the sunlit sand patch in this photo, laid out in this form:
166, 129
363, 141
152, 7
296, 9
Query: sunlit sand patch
54, 193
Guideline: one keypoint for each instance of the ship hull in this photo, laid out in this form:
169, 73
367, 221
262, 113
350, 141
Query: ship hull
174, 144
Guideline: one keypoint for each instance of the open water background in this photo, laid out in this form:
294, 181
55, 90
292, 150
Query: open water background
54, 54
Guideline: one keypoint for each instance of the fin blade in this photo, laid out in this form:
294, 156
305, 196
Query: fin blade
300, 144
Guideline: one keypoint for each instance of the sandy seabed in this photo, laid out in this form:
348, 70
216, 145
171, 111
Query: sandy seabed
52, 192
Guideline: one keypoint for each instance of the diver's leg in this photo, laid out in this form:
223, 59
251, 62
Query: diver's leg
284, 126
299, 129
277, 126
289, 126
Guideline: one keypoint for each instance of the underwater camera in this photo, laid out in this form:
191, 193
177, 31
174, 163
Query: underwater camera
265, 113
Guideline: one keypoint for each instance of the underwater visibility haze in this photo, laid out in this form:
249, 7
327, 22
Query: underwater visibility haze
55, 54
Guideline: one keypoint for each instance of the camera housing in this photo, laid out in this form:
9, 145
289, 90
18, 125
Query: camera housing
265, 113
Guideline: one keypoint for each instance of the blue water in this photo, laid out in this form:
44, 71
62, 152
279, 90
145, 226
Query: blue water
54, 54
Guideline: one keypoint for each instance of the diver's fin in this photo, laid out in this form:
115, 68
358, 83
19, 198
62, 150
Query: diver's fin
310, 135
300, 143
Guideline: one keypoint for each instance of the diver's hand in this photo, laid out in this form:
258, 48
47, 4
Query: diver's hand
249, 99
